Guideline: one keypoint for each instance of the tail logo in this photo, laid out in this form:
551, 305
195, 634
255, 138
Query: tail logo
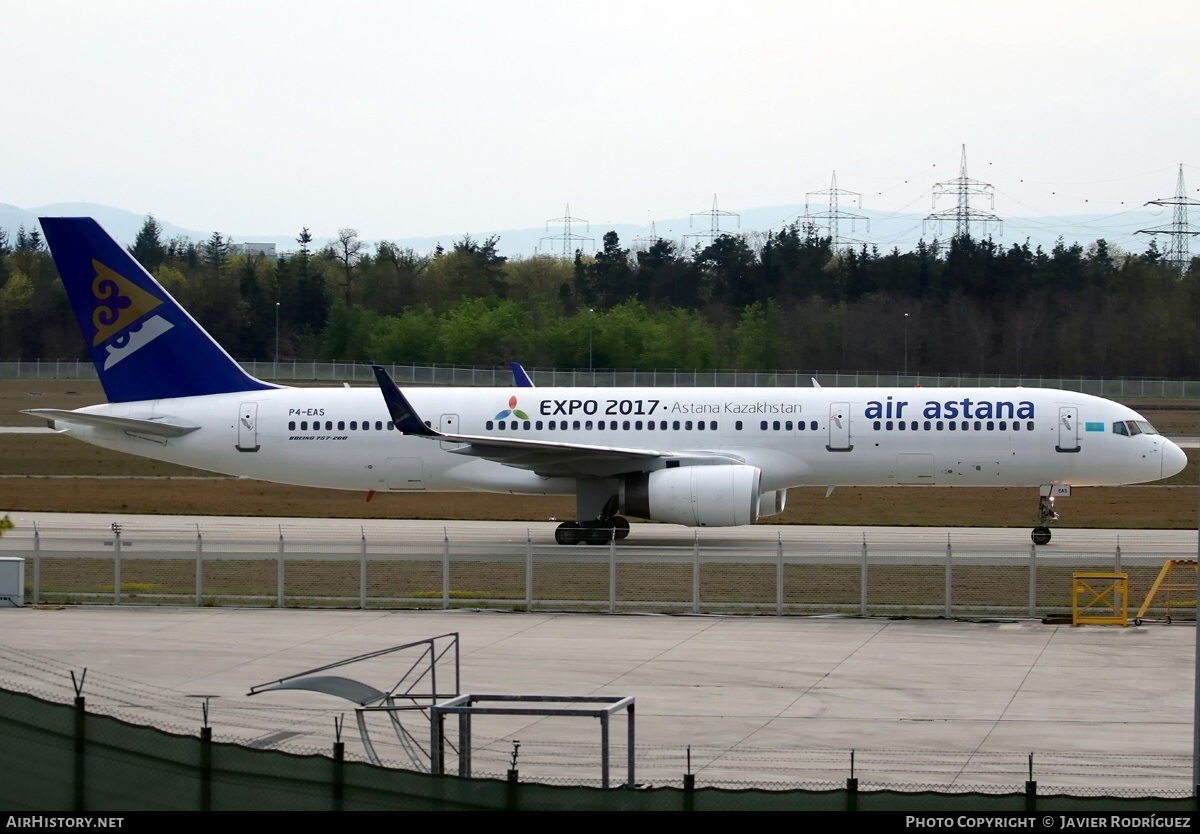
119, 305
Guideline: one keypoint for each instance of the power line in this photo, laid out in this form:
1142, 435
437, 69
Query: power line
1177, 253
716, 214
835, 214
568, 239
963, 214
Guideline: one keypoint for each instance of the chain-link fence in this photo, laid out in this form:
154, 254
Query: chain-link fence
71, 755
411, 374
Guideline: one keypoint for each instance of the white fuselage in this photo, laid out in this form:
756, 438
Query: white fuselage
340, 437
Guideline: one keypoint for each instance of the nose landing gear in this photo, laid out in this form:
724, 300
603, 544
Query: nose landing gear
1046, 515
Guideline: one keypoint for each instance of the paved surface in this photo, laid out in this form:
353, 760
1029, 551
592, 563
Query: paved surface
1067, 542
761, 700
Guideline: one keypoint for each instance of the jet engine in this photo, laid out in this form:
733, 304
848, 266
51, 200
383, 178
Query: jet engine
772, 503
696, 496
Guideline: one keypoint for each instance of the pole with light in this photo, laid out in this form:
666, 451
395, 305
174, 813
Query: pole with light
906, 344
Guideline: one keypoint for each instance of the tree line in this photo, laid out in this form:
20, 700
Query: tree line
786, 299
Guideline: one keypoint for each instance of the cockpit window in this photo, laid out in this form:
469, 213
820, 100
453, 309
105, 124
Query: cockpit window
1129, 428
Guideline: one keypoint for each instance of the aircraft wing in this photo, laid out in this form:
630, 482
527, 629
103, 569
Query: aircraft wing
130, 425
547, 457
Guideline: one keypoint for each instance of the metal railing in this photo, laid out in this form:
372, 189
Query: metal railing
710, 575
468, 375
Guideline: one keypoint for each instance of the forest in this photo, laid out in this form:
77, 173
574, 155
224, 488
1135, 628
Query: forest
781, 300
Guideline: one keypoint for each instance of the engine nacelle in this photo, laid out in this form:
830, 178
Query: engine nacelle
772, 503
696, 496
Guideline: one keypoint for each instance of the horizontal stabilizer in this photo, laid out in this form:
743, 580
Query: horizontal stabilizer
134, 425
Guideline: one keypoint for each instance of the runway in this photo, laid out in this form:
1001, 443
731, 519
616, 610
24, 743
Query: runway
760, 700
1067, 542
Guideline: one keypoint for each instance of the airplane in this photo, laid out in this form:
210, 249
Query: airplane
702, 457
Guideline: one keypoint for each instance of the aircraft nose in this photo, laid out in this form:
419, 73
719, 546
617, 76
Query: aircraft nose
1174, 459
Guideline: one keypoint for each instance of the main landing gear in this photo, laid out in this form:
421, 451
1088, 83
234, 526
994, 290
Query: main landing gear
1046, 515
599, 531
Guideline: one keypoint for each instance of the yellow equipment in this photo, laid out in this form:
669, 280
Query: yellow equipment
1100, 599
1178, 576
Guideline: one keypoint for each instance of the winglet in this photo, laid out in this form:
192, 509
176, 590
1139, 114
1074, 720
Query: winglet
520, 376
402, 413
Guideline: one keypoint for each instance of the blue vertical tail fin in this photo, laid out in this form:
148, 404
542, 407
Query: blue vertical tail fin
143, 344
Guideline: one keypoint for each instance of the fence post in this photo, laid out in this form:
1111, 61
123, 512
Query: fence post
206, 750
279, 572
852, 787
339, 774
445, 569
528, 570
612, 571
779, 575
949, 577
117, 566
37, 565
862, 590
1033, 580
695, 572
80, 744
362, 569
199, 568
1030, 790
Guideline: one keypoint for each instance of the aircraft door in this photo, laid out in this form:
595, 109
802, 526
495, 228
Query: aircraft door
839, 428
247, 440
1068, 429
448, 424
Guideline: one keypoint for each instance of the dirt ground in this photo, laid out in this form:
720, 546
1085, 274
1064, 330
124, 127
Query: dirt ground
89, 479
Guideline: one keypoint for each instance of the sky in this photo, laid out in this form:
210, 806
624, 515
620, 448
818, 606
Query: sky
408, 119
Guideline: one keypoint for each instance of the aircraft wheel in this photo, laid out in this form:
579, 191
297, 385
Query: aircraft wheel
622, 526
567, 532
597, 535
1040, 535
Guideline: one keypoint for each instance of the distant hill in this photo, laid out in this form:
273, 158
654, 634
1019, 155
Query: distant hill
887, 231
